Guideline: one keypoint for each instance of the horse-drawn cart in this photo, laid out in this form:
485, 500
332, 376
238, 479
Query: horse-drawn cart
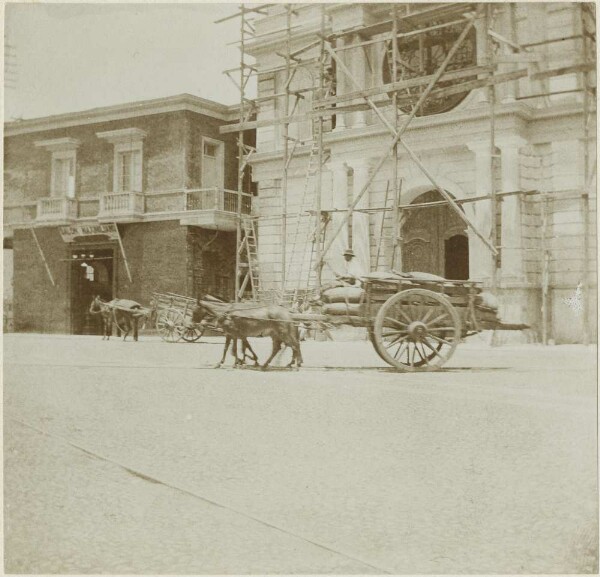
174, 320
415, 320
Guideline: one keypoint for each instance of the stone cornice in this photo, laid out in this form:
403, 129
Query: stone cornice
452, 129
58, 144
122, 135
124, 111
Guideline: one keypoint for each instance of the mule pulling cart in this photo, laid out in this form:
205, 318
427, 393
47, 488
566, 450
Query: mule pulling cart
414, 321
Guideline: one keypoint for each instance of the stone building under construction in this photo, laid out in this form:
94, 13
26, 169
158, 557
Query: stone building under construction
505, 134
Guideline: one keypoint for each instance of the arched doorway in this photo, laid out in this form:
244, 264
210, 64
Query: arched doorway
434, 240
91, 275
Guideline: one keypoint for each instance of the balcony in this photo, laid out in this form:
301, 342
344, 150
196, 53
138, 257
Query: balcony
56, 211
214, 208
122, 206
18, 216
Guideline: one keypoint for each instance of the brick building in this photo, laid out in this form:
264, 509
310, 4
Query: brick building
539, 145
119, 201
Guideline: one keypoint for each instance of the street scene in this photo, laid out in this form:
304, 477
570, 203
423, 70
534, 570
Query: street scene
143, 458
300, 288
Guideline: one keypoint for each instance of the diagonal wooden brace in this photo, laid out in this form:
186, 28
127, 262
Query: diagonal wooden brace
39, 247
396, 140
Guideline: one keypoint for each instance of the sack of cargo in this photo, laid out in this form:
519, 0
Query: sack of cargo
487, 300
418, 275
343, 294
343, 309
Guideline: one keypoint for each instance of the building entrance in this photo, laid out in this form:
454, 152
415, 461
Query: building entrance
91, 274
434, 240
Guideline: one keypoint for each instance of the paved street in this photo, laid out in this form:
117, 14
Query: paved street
142, 458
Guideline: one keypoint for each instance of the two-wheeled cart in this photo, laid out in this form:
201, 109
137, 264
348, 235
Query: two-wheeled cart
415, 321
174, 318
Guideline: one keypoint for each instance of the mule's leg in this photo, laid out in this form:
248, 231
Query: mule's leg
293, 341
227, 341
296, 347
247, 347
238, 361
135, 328
276, 348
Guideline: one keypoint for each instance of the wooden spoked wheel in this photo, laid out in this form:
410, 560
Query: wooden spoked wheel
192, 331
170, 324
416, 330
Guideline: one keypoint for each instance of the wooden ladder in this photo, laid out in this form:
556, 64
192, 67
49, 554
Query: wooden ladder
250, 247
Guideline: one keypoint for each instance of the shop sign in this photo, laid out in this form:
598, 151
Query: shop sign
83, 232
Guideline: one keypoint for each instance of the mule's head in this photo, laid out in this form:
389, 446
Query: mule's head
199, 313
95, 305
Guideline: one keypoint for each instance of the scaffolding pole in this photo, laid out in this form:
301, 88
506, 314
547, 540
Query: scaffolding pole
545, 268
396, 213
286, 143
240, 184
492, 158
585, 199
319, 175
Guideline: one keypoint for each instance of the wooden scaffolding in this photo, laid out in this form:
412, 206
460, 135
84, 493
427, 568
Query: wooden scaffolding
411, 94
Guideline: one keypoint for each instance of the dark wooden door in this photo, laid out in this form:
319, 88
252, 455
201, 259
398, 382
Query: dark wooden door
429, 240
91, 275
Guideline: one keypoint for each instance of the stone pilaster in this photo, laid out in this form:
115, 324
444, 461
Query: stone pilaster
512, 254
334, 257
480, 258
360, 220
358, 67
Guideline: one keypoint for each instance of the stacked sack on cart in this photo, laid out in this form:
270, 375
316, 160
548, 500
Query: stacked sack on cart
345, 301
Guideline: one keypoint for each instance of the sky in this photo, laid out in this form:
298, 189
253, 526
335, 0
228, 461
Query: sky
69, 57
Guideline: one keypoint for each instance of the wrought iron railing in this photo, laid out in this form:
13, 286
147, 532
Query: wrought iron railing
217, 199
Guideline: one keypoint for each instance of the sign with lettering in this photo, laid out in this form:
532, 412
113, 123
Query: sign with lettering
94, 231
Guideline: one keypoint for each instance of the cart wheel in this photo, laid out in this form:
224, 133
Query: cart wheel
170, 324
416, 330
192, 331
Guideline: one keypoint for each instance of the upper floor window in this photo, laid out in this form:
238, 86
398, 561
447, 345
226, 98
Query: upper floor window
421, 55
63, 165
128, 158
129, 171
212, 163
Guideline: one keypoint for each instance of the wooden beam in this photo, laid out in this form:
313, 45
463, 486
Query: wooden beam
123, 252
39, 247
504, 40
402, 101
573, 69
518, 58
402, 84
257, 9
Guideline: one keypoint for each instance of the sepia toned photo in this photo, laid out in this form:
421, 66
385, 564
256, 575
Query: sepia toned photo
300, 288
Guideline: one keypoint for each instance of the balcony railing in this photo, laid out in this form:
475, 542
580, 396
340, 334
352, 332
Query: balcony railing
20, 214
217, 199
121, 205
152, 205
56, 210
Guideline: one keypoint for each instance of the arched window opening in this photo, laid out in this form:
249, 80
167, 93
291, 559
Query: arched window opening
421, 55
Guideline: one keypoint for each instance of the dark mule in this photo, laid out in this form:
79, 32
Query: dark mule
124, 313
201, 314
258, 321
